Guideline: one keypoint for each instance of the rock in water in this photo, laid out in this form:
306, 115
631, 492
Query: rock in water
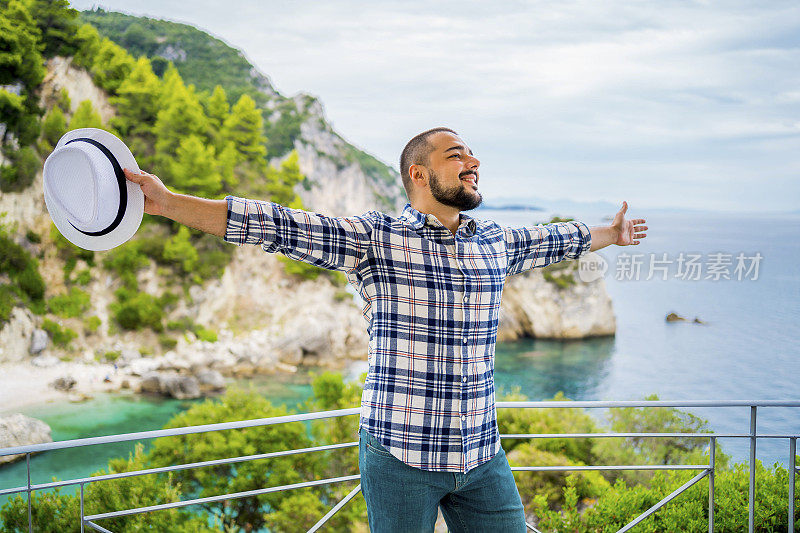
211, 380
168, 384
21, 430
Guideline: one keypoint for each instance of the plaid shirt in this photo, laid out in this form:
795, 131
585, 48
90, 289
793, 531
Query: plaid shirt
432, 302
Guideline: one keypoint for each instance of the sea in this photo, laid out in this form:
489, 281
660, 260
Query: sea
737, 274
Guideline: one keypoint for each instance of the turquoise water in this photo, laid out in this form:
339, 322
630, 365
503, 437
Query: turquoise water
748, 349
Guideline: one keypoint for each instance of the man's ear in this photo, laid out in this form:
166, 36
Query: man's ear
418, 175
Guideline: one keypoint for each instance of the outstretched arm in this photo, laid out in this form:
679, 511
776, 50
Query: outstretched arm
621, 232
209, 216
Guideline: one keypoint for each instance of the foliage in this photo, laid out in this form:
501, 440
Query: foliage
21, 172
667, 450
25, 285
61, 336
135, 310
688, 512
85, 117
247, 513
22, 66
92, 323
54, 126
58, 25
57, 513
208, 61
285, 128
111, 65
179, 250
125, 260
70, 305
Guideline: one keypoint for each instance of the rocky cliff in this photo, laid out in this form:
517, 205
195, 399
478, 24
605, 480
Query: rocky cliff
267, 319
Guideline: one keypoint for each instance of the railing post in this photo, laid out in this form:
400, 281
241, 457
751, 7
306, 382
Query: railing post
82, 513
751, 497
792, 473
712, 469
30, 515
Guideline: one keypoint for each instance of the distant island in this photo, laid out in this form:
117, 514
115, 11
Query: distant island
511, 207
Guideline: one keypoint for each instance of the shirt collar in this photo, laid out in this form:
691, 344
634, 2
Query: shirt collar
417, 220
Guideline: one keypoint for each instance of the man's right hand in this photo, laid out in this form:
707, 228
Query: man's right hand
156, 194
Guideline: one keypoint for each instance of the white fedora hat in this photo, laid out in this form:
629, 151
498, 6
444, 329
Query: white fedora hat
89, 199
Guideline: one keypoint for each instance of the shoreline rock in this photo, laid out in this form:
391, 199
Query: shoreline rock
21, 430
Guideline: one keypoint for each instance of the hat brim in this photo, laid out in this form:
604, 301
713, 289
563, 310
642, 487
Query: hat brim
134, 210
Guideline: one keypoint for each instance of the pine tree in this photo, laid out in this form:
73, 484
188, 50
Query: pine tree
194, 169
137, 100
217, 108
180, 116
279, 184
58, 24
111, 66
245, 128
21, 65
54, 126
85, 117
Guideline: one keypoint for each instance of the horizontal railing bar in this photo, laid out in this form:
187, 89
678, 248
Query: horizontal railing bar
605, 435
648, 403
94, 526
34, 448
665, 501
142, 435
606, 467
160, 470
210, 499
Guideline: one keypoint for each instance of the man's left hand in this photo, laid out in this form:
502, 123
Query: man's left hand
628, 231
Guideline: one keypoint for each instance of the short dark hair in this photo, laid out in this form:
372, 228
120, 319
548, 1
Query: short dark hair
417, 152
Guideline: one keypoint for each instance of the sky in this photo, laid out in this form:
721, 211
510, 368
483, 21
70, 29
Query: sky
684, 104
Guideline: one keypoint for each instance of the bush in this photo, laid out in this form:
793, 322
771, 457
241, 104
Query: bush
83, 278
125, 261
18, 175
136, 310
54, 126
73, 304
179, 251
92, 323
33, 237
31, 282
61, 336
167, 342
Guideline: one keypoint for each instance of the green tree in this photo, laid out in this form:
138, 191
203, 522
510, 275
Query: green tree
21, 65
111, 65
137, 101
244, 127
246, 513
58, 24
179, 250
54, 126
194, 169
85, 117
180, 116
53, 512
88, 46
217, 108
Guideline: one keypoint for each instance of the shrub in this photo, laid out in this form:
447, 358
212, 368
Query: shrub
33, 237
54, 126
31, 282
135, 310
92, 323
61, 336
179, 250
73, 304
20, 173
83, 278
208, 335
125, 261
167, 342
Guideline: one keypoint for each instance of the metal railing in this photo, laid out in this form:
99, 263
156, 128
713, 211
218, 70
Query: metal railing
705, 470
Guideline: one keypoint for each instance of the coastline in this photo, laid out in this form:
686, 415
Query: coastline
26, 385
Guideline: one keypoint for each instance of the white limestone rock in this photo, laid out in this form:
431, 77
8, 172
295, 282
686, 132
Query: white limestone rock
21, 430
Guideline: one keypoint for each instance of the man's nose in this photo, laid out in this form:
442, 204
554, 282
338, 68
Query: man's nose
473, 162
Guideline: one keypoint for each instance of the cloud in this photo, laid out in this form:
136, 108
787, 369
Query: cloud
592, 94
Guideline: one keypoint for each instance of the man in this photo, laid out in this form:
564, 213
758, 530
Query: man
431, 280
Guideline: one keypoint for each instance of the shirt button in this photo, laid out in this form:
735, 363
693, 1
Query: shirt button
464, 379
466, 298
465, 340
463, 418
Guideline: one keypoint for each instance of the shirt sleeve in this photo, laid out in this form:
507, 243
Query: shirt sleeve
332, 243
538, 246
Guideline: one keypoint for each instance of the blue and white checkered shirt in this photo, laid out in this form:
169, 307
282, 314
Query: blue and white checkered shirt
432, 302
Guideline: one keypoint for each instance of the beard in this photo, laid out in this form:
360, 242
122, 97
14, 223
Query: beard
457, 196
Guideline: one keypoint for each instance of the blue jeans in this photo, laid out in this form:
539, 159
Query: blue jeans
401, 498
